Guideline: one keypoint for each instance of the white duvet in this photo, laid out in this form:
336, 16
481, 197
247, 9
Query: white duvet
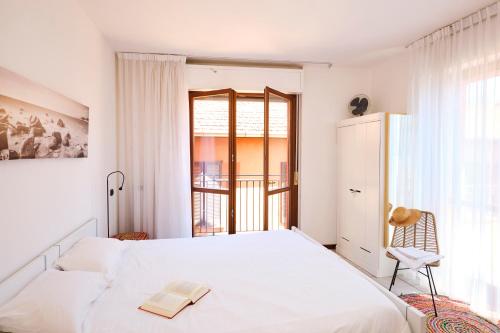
261, 283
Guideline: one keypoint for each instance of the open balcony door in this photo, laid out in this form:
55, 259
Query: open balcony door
226, 198
212, 161
280, 183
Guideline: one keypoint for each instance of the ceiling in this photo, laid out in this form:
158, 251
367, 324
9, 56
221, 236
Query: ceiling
336, 31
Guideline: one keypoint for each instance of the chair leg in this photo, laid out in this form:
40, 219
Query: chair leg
430, 287
433, 284
394, 275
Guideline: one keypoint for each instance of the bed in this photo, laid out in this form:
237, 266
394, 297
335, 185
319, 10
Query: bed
261, 282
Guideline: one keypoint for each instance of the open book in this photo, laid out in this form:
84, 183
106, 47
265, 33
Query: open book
174, 297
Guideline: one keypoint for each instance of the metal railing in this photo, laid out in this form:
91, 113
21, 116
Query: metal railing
211, 210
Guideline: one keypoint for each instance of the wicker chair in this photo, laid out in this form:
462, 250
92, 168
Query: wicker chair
421, 235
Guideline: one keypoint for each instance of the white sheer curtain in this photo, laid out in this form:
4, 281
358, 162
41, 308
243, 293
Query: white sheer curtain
450, 148
153, 139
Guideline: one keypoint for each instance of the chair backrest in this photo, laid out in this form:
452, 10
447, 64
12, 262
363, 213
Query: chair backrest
421, 235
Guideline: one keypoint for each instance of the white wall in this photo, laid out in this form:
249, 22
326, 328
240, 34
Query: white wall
52, 42
390, 84
324, 102
325, 97
325, 93
243, 78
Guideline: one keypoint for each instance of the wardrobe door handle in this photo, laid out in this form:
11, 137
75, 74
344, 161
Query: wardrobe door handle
354, 191
345, 239
362, 248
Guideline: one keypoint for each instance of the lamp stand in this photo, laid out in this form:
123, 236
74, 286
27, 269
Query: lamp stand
111, 192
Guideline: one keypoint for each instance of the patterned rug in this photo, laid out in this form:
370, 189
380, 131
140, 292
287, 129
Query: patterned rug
453, 316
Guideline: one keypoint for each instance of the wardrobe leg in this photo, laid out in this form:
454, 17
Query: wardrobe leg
394, 275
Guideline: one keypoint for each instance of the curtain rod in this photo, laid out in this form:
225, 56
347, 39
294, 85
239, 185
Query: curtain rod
240, 61
454, 22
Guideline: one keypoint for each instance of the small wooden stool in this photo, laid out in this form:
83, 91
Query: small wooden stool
131, 236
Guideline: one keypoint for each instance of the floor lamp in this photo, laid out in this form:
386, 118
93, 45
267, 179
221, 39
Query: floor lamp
111, 192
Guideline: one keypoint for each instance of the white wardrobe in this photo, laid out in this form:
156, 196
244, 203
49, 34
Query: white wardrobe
362, 189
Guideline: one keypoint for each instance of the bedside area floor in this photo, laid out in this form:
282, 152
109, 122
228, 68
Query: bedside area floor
404, 285
454, 316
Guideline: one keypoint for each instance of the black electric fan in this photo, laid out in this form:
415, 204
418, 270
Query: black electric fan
359, 105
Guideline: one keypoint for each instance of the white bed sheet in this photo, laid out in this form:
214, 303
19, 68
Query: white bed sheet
261, 283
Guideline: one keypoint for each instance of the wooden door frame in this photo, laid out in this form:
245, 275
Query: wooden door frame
230, 192
292, 187
232, 158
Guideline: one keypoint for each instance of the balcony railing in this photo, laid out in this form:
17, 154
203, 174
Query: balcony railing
211, 211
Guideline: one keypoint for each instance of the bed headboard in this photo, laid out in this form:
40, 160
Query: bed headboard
15, 282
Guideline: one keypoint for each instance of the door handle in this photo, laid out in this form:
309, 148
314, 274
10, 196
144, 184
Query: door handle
354, 191
362, 248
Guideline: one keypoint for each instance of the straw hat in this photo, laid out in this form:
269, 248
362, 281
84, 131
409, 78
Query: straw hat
403, 217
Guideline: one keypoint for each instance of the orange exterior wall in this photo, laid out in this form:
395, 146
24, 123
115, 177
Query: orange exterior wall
249, 153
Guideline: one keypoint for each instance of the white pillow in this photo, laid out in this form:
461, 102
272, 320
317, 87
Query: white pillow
55, 302
94, 254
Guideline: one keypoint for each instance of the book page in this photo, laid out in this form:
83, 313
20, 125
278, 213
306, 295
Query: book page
191, 290
166, 304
